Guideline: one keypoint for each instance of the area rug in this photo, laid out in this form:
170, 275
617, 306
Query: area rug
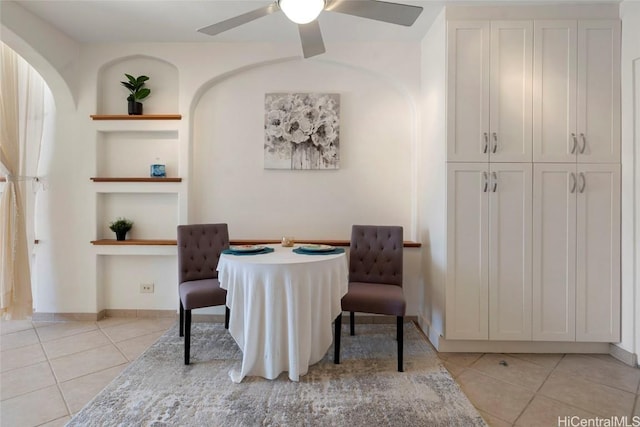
157, 389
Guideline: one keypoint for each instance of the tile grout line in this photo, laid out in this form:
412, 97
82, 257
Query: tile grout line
115, 345
70, 414
635, 401
590, 380
470, 367
535, 393
570, 404
53, 372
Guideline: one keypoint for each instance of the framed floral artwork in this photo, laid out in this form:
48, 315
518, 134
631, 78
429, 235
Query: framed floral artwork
302, 131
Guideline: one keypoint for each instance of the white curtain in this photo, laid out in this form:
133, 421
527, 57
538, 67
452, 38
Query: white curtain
21, 117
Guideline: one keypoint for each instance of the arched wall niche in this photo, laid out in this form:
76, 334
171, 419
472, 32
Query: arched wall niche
376, 178
163, 82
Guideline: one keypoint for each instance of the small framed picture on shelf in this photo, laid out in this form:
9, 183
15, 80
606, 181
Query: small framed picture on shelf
158, 171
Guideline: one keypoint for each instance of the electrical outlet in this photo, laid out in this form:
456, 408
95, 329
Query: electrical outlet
146, 288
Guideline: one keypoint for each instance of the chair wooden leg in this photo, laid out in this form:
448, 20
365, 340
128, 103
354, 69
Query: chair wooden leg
352, 323
400, 338
336, 339
187, 336
181, 319
227, 313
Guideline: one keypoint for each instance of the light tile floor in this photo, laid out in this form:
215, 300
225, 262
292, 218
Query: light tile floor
547, 389
49, 371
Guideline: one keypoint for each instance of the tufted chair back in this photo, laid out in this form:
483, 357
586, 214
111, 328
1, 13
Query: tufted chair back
199, 248
376, 254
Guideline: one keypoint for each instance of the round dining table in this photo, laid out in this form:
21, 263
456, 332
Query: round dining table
282, 307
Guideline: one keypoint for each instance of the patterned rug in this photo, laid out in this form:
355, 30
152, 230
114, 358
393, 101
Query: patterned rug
364, 390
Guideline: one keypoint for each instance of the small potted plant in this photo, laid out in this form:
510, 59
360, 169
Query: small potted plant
121, 226
137, 93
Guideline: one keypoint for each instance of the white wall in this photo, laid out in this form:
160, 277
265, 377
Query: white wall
433, 170
220, 95
630, 66
67, 268
372, 186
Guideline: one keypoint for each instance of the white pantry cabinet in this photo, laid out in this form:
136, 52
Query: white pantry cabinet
576, 91
576, 252
598, 253
533, 181
489, 91
488, 293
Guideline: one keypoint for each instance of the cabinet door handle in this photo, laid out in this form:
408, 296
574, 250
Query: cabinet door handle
574, 182
486, 143
495, 142
494, 177
584, 143
575, 143
583, 182
485, 176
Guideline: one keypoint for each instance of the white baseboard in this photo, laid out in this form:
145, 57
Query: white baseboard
87, 317
623, 355
486, 346
441, 344
431, 333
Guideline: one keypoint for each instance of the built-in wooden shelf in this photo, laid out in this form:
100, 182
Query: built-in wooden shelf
406, 243
103, 179
134, 117
141, 242
134, 242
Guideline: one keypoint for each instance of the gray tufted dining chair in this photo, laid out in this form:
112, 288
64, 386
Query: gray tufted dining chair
375, 279
199, 248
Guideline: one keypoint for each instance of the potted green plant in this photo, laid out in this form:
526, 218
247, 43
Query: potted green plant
121, 226
137, 93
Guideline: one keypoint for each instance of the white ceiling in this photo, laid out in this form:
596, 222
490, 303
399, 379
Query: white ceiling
177, 21
106, 21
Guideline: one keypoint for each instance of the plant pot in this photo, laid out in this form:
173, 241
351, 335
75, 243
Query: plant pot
121, 235
135, 108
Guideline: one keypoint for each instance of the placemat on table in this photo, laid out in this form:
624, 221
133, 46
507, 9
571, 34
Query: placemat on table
333, 251
260, 252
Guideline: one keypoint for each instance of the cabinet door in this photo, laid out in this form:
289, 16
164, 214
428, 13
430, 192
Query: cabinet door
598, 91
554, 251
510, 87
510, 251
468, 45
598, 253
467, 249
554, 91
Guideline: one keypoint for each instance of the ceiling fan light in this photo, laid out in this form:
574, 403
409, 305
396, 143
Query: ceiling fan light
301, 11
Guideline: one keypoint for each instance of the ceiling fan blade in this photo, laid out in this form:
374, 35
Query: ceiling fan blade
393, 13
311, 38
236, 21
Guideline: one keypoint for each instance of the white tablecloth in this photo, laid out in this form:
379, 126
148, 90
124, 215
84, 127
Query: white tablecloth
282, 306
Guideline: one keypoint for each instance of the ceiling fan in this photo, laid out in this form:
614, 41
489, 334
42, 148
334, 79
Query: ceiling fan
305, 12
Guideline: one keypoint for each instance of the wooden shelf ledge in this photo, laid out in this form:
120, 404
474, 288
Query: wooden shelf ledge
406, 243
133, 117
145, 242
104, 179
134, 242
